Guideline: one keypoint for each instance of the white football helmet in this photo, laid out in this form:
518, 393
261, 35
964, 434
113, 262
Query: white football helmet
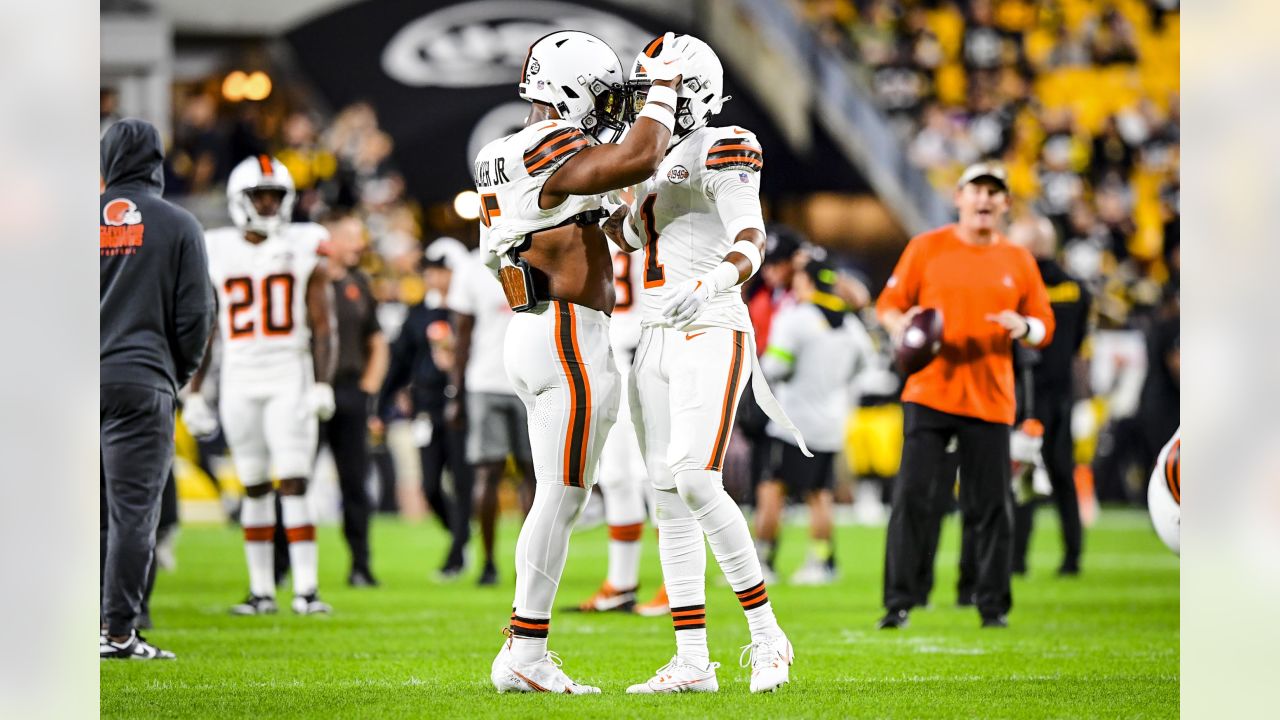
1164, 494
260, 172
581, 77
701, 94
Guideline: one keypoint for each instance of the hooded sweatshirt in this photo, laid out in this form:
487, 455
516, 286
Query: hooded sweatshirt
156, 306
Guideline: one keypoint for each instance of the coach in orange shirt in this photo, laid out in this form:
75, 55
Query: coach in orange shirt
990, 294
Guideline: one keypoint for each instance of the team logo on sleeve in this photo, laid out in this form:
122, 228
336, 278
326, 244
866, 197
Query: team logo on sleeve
678, 174
121, 211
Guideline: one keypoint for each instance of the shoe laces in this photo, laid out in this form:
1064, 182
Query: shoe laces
554, 658
757, 652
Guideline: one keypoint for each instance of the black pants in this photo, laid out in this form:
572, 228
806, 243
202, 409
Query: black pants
1054, 411
135, 432
986, 506
448, 449
346, 433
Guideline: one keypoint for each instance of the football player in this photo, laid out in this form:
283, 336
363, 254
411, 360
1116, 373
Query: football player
540, 194
275, 325
1164, 494
699, 223
622, 475
816, 349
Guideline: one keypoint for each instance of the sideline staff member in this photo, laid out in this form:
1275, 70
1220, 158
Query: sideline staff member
990, 293
155, 312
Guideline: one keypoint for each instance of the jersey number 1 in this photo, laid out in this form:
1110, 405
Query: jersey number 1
241, 298
654, 274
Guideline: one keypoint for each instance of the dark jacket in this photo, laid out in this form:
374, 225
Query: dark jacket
1071, 309
155, 307
411, 364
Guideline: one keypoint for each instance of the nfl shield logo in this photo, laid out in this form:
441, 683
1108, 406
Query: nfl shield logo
743, 177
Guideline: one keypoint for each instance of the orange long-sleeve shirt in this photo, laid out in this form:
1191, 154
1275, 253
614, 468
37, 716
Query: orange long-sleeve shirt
973, 375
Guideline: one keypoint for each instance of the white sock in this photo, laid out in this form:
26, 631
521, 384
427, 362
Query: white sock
730, 540
624, 556
258, 518
540, 554
302, 543
684, 568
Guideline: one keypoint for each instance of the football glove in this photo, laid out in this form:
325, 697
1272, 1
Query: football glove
320, 400
667, 64
686, 302
199, 418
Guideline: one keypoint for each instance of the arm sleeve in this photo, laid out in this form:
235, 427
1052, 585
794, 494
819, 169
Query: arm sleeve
400, 367
902, 290
1035, 299
736, 195
193, 302
779, 358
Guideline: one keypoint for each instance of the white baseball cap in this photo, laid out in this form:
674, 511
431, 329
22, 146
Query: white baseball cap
980, 170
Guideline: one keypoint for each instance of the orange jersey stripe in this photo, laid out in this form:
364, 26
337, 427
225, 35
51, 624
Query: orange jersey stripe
736, 159
575, 145
586, 387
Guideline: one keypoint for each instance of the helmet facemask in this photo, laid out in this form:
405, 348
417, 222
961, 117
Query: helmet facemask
608, 121
250, 218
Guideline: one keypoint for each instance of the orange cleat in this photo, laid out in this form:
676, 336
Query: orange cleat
657, 607
609, 598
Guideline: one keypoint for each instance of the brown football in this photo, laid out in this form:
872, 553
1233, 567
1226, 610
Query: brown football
921, 341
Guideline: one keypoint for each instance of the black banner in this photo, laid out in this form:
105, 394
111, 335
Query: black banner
442, 77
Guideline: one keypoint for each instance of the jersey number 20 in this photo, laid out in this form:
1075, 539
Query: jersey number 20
275, 291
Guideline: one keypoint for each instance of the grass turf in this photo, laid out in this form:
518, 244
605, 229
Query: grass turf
1101, 645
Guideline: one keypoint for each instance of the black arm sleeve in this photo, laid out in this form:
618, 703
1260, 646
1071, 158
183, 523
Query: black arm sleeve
193, 302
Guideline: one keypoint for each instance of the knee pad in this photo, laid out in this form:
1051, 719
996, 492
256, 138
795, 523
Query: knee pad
699, 488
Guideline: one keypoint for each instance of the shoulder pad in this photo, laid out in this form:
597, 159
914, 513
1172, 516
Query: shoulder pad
735, 148
553, 142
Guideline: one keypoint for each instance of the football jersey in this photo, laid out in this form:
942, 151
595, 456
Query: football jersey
812, 367
474, 291
262, 294
684, 235
624, 324
509, 174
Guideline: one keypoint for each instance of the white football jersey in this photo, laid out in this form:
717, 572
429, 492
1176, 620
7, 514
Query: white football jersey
624, 324
509, 174
262, 293
684, 234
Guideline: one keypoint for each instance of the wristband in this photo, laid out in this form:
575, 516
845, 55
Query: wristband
631, 236
723, 277
661, 94
656, 112
748, 250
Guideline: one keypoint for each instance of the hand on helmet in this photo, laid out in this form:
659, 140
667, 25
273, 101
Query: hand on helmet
667, 65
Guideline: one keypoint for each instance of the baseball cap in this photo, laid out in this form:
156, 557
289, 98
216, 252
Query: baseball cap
781, 243
980, 170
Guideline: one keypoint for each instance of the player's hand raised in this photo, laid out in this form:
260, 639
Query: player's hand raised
686, 302
668, 65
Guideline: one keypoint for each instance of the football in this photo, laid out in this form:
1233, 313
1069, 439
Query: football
921, 342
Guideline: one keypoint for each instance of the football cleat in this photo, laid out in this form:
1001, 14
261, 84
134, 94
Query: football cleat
893, 620
255, 605
135, 648
659, 606
813, 572
488, 576
542, 675
770, 662
679, 675
310, 605
608, 598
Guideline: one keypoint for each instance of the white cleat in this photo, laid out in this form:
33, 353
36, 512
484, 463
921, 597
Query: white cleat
679, 675
543, 675
770, 661
310, 605
813, 572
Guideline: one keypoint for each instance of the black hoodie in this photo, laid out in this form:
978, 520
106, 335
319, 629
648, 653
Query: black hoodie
155, 305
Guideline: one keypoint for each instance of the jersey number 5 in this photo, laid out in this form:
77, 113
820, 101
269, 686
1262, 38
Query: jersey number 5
275, 289
654, 274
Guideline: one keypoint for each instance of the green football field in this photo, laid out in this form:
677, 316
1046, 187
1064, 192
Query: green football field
1101, 645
